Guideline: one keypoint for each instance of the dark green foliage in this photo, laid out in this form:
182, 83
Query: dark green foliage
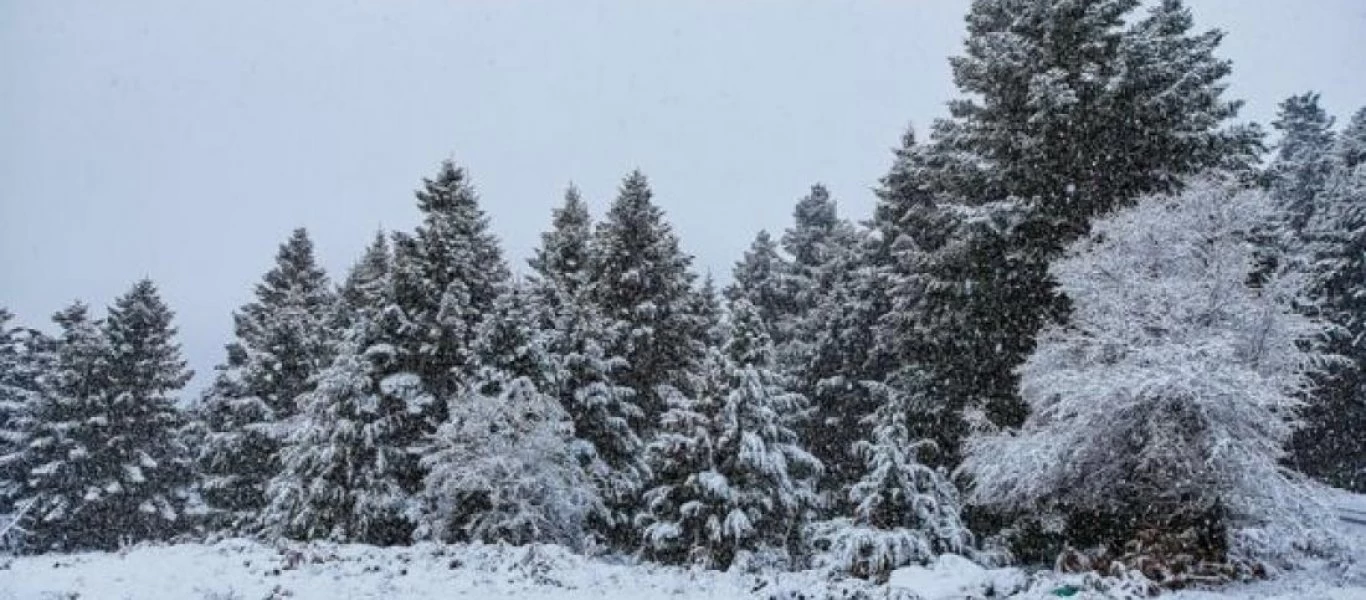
283, 341
103, 461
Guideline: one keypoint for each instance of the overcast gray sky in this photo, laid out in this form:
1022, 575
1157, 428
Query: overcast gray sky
184, 140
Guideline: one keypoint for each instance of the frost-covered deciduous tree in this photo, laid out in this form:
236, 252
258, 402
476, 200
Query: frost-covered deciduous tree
1165, 403
506, 467
282, 341
504, 470
732, 475
1070, 109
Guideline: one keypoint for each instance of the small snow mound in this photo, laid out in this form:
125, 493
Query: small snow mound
954, 577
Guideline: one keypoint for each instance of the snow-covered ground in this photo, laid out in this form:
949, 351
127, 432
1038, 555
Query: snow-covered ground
244, 570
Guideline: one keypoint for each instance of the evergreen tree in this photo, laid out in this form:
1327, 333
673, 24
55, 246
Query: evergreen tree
365, 292
25, 359
144, 372
939, 261
1071, 109
103, 463
70, 484
732, 475
1304, 159
584, 374
446, 275
349, 473
643, 287
1351, 148
707, 314
761, 278
830, 357
904, 512
510, 343
561, 262
282, 342
1329, 446
349, 469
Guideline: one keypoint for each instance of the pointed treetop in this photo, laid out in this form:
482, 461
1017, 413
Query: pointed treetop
296, 279
142, 341
749, 344
1305, 127
564, 249
73, 315
758, 268
1352, 142
448, 187
366, 285
815, 218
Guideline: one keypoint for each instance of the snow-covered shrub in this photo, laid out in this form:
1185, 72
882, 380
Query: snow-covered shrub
1165, 402
904, 512
504, 470
731, 473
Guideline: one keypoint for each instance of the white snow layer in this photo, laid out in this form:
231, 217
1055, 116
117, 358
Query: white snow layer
245, 570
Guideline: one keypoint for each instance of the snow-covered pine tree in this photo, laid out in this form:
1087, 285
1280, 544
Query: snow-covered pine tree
68, 482
761, 277
25, 360
561, 263
829, 357
1304, 160
349, 470
584, 374
365, 292
733, 475
103, 462
144, 372
1164, 405
282, 342
708, 316
673, 518
642, 285
15, 403
936, 257
1329, 446
1351, 148
904, 512
446, 275
1070, 109
510, 343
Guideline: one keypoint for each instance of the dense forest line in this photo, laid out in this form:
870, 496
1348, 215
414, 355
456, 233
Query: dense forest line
1090, 310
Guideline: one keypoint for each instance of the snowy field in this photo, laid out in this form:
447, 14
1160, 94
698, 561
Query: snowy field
244, 570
